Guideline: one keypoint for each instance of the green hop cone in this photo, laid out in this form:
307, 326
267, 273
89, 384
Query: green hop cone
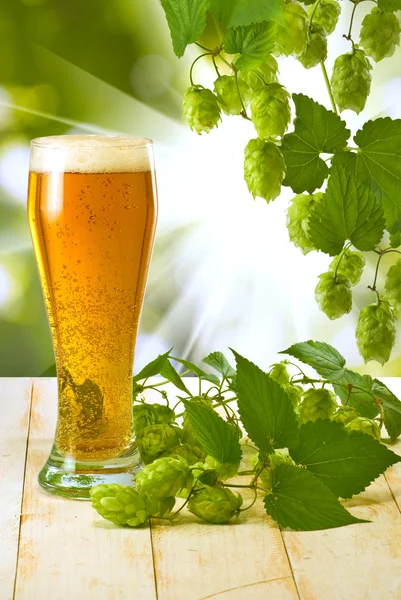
215, 504
201, 109
120, 504
267, 72
351, 266
351, 79
156, 439
279, 373
298, 214
163, 414
192, 454
292, 33
344, 415
317, 404
158, 507
315, 50
271, 111
393, 285
264, 169
376, 331
164, 477
326, 15
364, 425
333, 294
143, 415
380, 34
294, 392
225, 88
225, 470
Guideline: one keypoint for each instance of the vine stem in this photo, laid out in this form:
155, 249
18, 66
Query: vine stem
343, 253
327, 82
194, 63
313, 13
245, 115
348, 37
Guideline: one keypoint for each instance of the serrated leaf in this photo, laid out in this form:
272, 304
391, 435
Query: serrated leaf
235, 13
317, 130
198, 371
391, 408
50, 371
266, 411
348, 211
153, 368
389, 5
301, 501
218, 361
186, 20
168, 372
346, 462
361, 397
253, 42
214, 434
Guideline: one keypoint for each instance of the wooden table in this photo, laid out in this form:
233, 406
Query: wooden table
57, 549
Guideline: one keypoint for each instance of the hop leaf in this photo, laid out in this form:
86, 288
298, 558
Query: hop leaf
188, 436
271, 111
192, 454
156, 439
264, 169
226, 90
364, 425
265, 73
317, 404
380, 34
333, 294
120, 504
344, 415
393, 285
298, 214
279, 373
278, 458
224, 471
351, 80
351, 266
164, 477
201, 109
375, 332
215, 504
326, 14
292, 34
315, 50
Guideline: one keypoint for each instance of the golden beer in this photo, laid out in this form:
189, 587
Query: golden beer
92, 214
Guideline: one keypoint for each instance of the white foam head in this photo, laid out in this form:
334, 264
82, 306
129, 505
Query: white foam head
91, 154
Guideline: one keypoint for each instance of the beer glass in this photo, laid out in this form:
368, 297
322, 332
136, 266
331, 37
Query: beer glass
92, 210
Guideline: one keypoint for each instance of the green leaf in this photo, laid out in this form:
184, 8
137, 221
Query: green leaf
301, 501
168, 372
348, 211
153, 368
389, 5
50, 371
198, 371
186, 20
235, 13
360, 398
218, 361
391, 408
215, 435
265, 408
254, 42
317, 130
345, 462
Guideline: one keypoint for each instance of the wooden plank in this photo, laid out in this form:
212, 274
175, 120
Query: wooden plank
15, 400
66, 550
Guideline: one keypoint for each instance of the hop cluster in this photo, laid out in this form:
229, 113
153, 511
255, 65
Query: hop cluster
393, 285
316, 48
201, 109
344, 415
264, 169
279, 373
317, 404
226, 90
375, 332
189, 452
350, 265
364, 425
351, 80
380, 34
120, 504
325, 14
298, 214
292, 33
333, 294
163, 477
271, 111
267, 72
145, 415
154, 440
224, 470
215, 504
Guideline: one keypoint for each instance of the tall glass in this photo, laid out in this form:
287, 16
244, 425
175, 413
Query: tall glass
92, 213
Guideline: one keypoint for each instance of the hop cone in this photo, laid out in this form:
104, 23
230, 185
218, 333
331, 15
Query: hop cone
201, 109
333, 294
292, 35
364, 425
298, 214
225, 88
271, 111
375, 332
214, 504
380, 34
143, 415
156, 439
351, 266
393, 285
315, 50
158, 507
163, 414
191, 454
264, 73
351, 80
225, 470
163, 477
120, 504
280, 373
294, 392
344, 415
264, 169
326, 15
317, 404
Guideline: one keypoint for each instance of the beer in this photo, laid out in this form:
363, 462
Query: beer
92, 214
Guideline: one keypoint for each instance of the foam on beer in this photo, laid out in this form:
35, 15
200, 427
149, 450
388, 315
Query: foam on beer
91, 154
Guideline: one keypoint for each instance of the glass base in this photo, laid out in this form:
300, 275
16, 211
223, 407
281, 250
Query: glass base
72, 478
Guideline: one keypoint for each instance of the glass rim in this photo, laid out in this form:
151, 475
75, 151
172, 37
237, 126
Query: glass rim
90, 140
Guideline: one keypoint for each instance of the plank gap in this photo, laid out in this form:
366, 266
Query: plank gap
290, 563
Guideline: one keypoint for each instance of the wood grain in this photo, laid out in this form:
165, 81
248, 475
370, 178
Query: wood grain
15, 400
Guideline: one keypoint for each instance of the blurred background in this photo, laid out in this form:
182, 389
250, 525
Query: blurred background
223, 271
